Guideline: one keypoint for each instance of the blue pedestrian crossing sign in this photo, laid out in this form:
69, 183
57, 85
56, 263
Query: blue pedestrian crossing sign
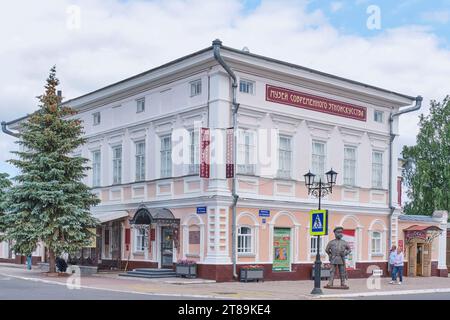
318, 222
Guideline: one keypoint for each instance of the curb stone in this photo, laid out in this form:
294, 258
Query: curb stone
382, 293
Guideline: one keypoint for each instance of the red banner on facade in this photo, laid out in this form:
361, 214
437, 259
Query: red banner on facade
400, 245
315, 103
229, 153
205, 141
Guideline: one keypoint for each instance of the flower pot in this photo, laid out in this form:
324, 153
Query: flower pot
324, 273
188, 271
251, 275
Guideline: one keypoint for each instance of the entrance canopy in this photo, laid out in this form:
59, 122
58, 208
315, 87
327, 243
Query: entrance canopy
422, 228
427, 233
145, 215
104, 217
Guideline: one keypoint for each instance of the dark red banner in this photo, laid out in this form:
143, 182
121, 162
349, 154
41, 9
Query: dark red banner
315, 103
152, 234
229, 154
205, 141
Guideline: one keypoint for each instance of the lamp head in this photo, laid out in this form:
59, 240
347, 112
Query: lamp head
309, 179
331, 177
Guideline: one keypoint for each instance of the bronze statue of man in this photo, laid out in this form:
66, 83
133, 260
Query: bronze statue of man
337, 251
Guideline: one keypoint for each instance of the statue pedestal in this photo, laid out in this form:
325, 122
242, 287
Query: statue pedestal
337, 287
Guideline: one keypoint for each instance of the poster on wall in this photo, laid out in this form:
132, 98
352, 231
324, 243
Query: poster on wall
229, 153
349, 236
281, 249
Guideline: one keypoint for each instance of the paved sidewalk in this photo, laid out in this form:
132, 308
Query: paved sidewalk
270, 290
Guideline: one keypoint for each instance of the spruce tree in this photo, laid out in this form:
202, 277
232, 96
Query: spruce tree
5, 184
49, 202
427, 170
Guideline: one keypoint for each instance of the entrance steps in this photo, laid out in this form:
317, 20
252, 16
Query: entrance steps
150, 273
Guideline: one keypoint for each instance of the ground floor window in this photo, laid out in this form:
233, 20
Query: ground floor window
350, 237
245, 240
141, 239
376, 243
314, 245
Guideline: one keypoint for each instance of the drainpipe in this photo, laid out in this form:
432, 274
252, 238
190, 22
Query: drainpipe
5, 124
235, 107
416, 107
7, 131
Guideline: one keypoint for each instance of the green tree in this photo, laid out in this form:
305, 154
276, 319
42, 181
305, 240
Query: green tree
49, 202
5, 184
427, 171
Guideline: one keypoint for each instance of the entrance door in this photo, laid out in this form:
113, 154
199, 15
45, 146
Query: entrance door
115, 241
419, 260
448, 252
166, 247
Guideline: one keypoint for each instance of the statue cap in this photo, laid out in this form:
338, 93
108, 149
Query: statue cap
338, 228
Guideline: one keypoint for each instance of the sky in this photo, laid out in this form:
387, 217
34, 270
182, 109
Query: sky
402, 46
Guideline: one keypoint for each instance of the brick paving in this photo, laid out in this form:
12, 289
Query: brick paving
269, 290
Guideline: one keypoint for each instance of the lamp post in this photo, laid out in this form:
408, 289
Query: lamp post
319, 190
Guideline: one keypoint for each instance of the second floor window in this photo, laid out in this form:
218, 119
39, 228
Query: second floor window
246, 152
350, 166
166, 156
140, 161
318, 160
117, 165
96, 167
194, 161
378, 116
284, 157
246, 86
140, 105
196, 87
96, 118
377, 169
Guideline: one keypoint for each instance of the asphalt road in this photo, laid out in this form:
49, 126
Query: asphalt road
421, 296
18, 289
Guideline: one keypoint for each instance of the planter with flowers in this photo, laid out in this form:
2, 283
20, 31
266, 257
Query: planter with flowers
251, 273
325, 271
186, 268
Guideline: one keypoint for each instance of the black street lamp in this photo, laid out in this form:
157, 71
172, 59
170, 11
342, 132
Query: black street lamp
319, 190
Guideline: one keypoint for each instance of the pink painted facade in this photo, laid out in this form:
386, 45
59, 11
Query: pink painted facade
316, 138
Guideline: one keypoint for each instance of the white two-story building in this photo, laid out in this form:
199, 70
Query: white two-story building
144, 149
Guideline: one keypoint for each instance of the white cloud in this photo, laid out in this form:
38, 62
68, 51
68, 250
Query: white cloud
335, 6
118, 39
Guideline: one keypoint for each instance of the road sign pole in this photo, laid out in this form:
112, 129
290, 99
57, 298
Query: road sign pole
317, 263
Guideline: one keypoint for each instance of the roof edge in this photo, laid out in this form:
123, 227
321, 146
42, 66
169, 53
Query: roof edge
233, 50
329, 75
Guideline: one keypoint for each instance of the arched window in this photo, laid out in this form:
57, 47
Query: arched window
245, 240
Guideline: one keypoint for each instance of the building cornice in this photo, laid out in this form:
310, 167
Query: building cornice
253, 62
